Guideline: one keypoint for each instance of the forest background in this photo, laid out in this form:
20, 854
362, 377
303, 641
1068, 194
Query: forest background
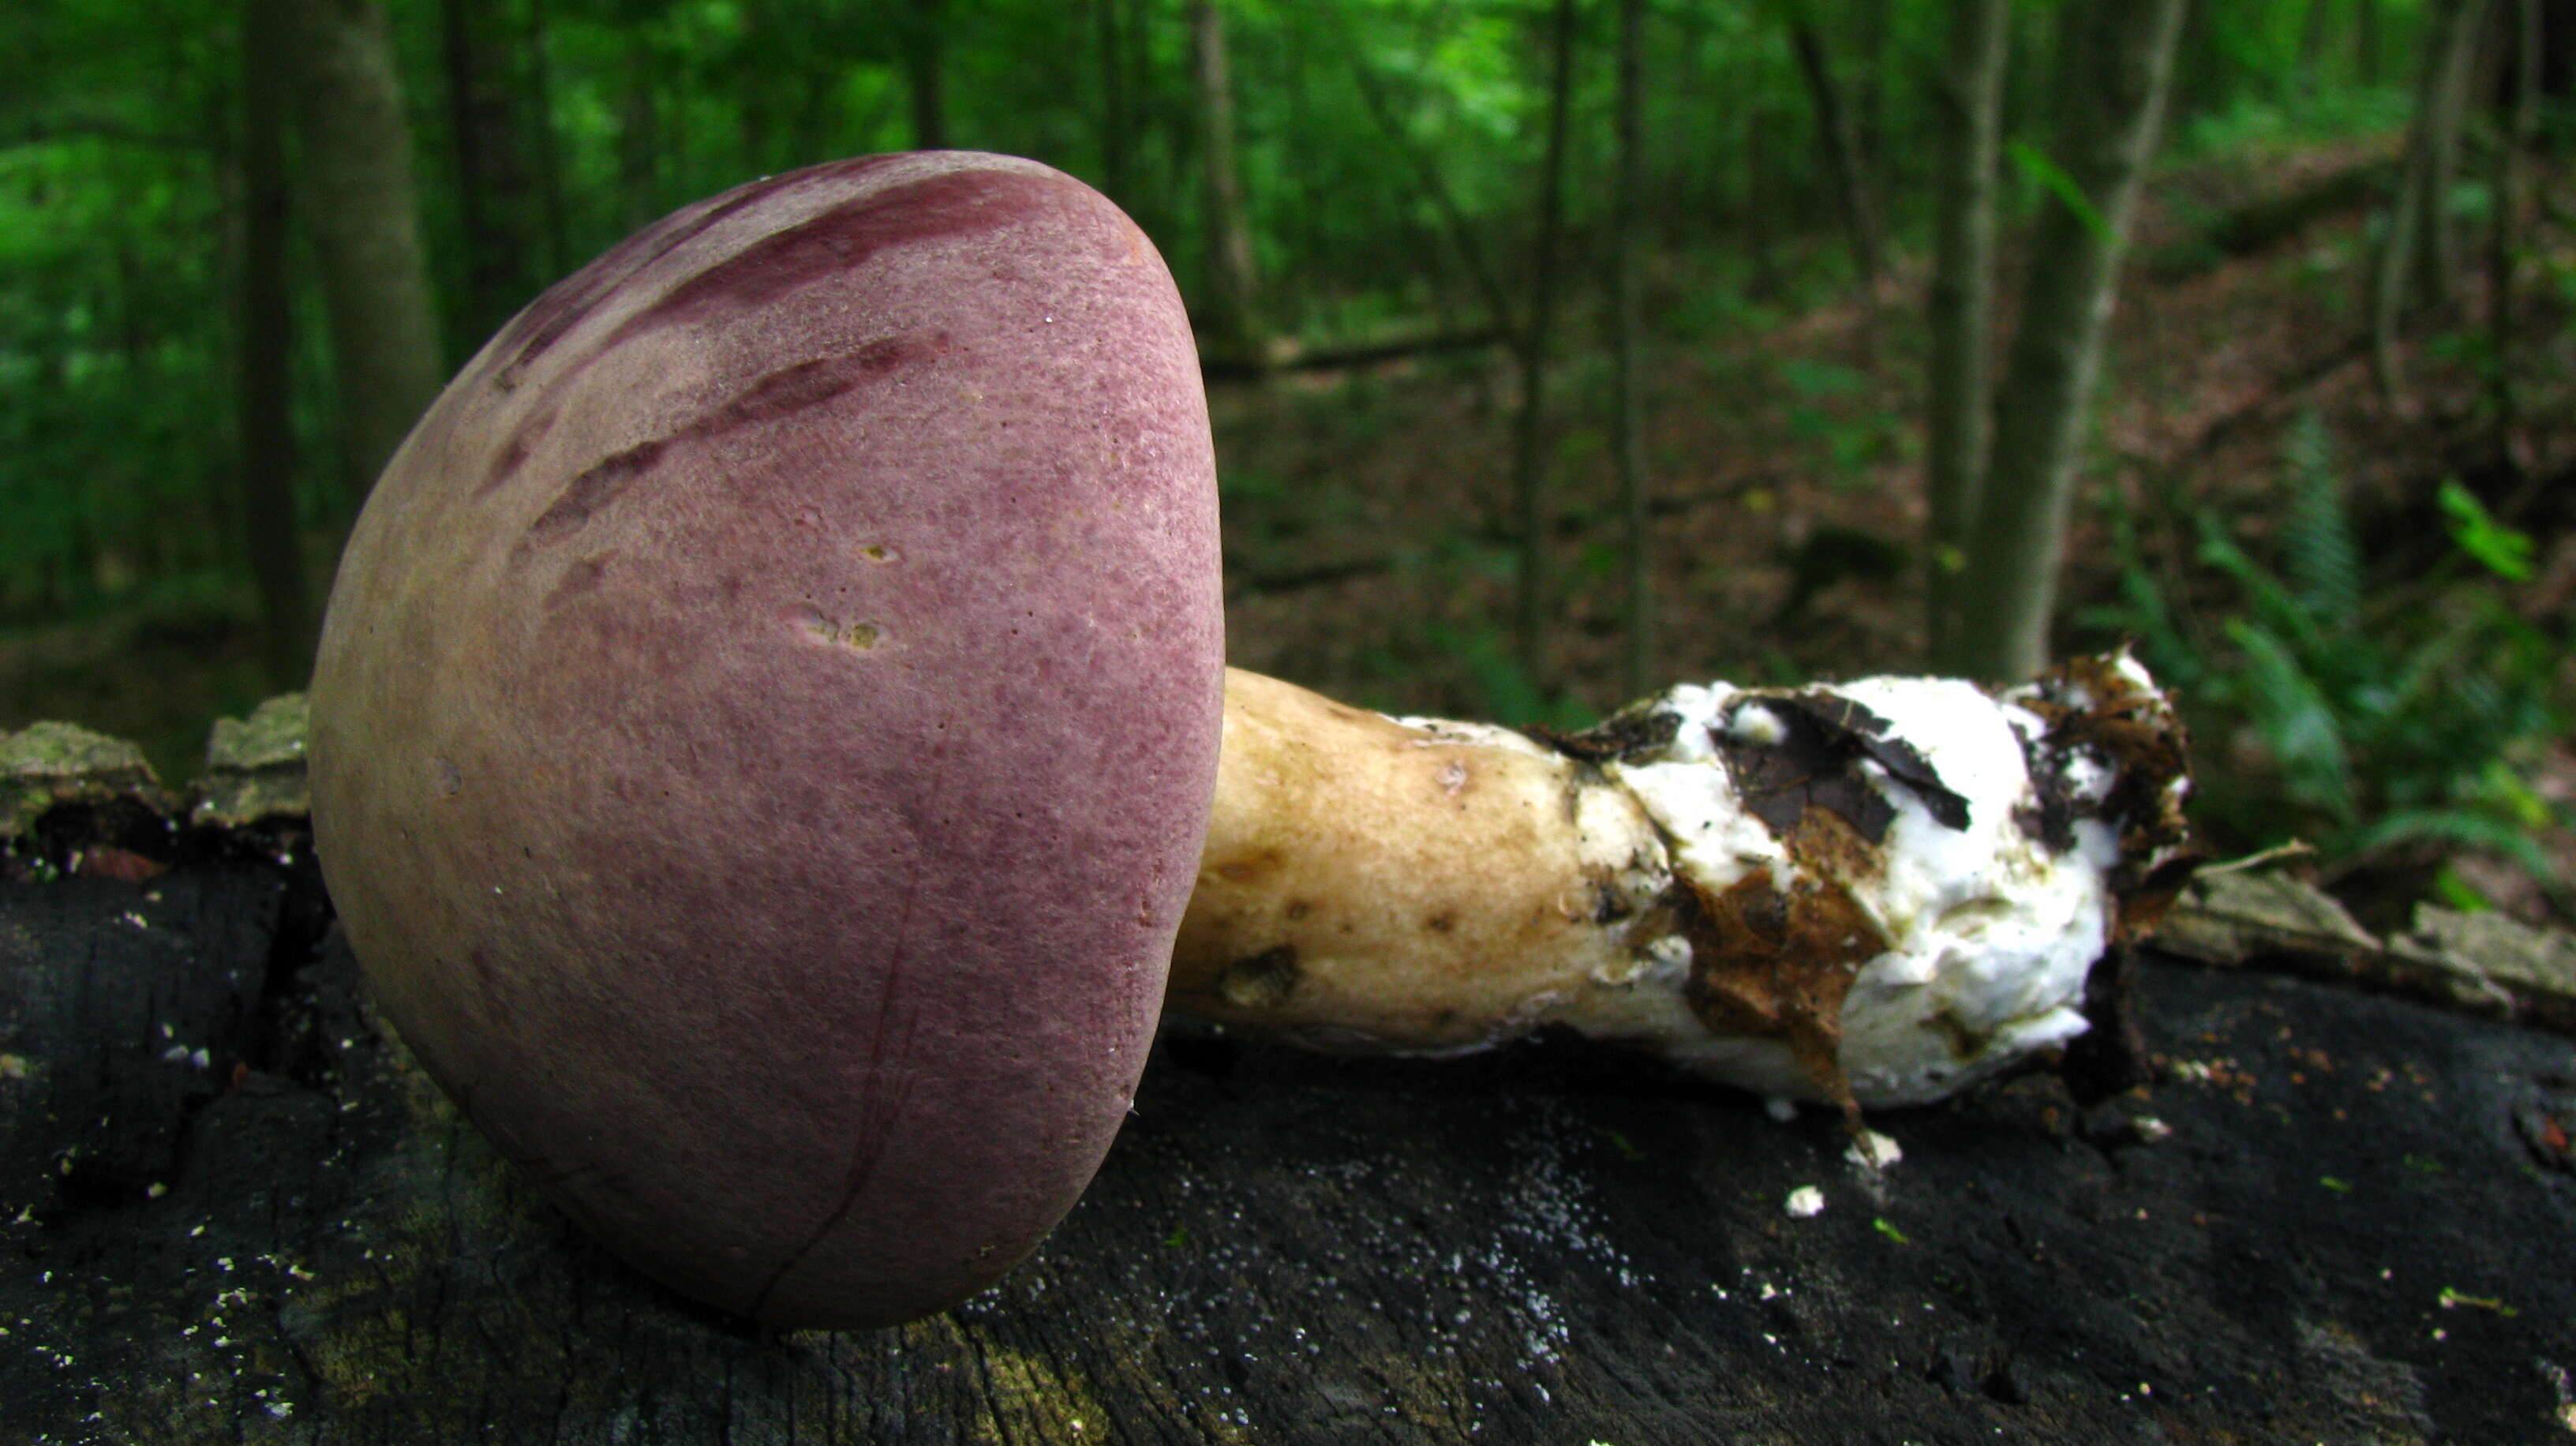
1559, 349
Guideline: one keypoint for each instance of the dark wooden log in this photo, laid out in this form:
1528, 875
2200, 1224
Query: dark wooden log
2356, 1230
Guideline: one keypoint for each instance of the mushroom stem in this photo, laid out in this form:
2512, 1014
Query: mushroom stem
1862, 894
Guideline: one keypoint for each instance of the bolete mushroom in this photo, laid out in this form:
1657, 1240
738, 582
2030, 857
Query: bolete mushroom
768, 719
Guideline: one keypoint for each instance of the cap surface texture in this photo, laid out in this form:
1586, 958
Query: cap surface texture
766, 720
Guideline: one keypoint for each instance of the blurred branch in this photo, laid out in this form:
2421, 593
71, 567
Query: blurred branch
1230, 369
46, 133
1427, 180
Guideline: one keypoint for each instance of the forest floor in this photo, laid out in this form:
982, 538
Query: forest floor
1784, 455
1368, 553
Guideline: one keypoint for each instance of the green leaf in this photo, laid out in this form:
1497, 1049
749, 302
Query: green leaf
1887, 1228
2034, 164
2505, 551
2458, 893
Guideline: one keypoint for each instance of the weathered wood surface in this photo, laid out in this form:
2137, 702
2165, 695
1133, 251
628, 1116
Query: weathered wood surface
293, 1238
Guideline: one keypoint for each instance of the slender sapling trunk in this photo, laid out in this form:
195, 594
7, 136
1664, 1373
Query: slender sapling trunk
1961, 303
2115, 65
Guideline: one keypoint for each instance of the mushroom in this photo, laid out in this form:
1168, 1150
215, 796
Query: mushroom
768, 719
1873, 893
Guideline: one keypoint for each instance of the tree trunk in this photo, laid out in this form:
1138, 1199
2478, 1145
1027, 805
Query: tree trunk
2416, 251
923, 64
2312, 45
361, 208
497, 197
1637, 674
1761, 236
639, 138
1116, 130
1969, 99
2512, 197
1835, 137
556, 262
1529, 512
266, 476
1869, 101
2437, 248
1233, 326
2115, 64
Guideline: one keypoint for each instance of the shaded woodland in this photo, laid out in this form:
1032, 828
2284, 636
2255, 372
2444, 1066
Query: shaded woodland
1558, 349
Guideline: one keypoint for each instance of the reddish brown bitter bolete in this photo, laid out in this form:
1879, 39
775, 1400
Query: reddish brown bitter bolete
768, 719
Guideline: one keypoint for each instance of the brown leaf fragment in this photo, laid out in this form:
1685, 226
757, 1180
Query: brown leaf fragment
1623, 737
1817, 764
2094, 708
1862, 733
1777, 962
105, 861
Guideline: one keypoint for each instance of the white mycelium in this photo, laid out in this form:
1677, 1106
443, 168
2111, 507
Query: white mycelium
1857, 893
1991, 933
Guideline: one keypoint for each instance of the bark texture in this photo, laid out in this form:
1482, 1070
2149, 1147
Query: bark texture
1961, 304
2115, 64
1541, 1245
361, 208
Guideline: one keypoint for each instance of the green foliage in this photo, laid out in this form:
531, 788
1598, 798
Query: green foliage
2502, 550
1510, 696
2375, 725
2036, 167
1389, 151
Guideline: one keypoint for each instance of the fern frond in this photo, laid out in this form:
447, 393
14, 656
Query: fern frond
2454, 826
2318, 552
2298, 720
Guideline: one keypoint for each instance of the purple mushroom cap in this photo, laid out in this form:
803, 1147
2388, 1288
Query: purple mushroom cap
766, 723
